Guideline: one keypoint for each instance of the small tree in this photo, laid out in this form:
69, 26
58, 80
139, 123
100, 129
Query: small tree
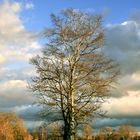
127, 132
73, 76
35, 134
55, 129
88, 131
107, 132
43, 133
115, 135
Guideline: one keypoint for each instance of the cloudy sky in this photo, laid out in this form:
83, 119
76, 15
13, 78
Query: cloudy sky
22, 20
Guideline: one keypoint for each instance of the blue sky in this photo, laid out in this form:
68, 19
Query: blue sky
20, 20
114, 11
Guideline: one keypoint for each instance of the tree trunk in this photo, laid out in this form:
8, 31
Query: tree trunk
69, 129
72, 121
68, 135
69, 132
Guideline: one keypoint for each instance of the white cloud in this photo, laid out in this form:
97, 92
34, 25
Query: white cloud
126, 106
123, 42
15, 7
136, 76
15, 41
17, 46
14, 93
123, 46
13, 84
21, 108
35, 45
132, 93
29, 5
2, 59
10, 22
124, 23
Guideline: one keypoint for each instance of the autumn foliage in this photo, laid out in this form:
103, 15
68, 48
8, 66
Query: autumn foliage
12, 128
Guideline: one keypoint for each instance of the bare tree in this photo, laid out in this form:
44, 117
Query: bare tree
73, 76
106, 132
88, 131
43, 133
127, 132
55, 129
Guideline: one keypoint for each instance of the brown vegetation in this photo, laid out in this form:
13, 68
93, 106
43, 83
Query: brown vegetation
54, 132
11, 127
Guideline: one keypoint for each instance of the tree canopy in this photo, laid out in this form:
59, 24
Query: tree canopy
73, 76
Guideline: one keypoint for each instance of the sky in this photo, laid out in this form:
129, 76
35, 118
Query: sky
20, 23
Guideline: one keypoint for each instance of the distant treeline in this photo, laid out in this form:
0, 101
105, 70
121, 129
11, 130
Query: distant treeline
12, 128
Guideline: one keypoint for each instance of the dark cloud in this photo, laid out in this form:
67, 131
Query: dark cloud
29, 112
123, 45
135, 15
104, 122
123, 41
25, 72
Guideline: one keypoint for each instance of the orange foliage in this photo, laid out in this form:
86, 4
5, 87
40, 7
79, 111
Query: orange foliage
11, 127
